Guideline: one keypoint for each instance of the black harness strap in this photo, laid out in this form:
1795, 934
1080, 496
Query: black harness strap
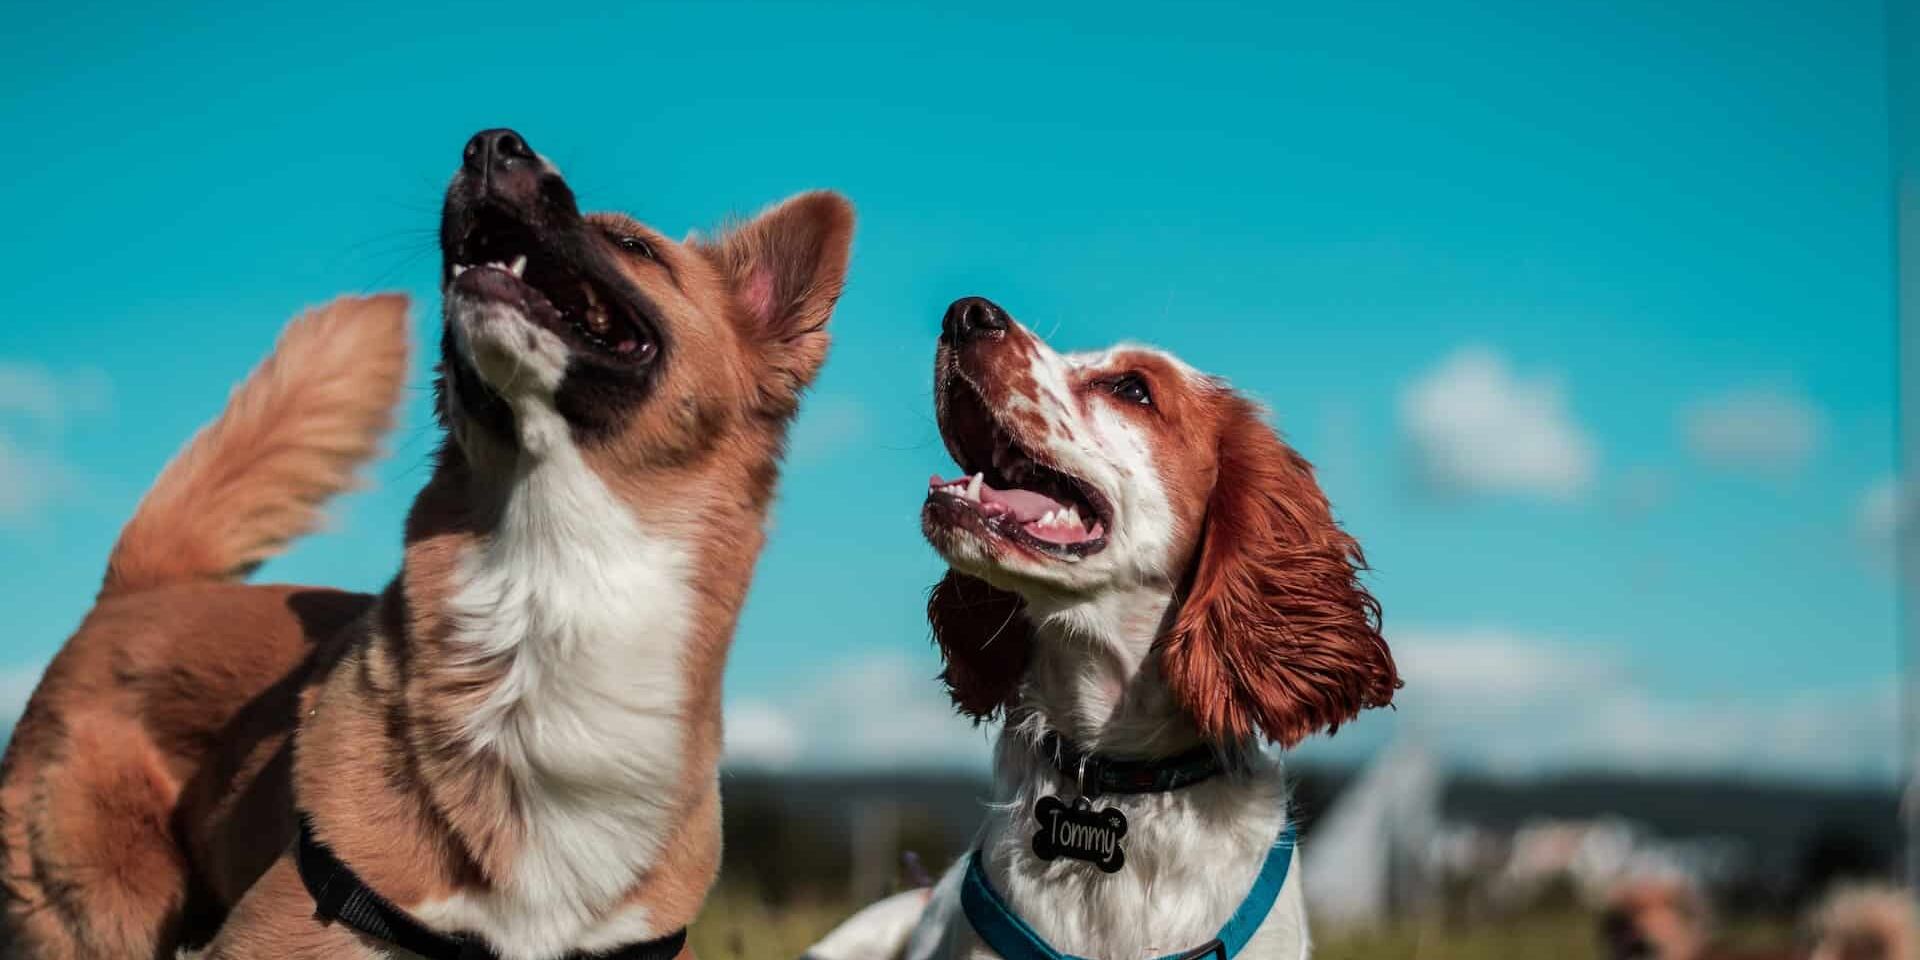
340, 896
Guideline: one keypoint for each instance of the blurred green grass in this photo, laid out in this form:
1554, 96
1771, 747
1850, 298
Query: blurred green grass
740, 926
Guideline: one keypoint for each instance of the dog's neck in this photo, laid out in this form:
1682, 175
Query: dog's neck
1095, 679
1095, 676
564, 692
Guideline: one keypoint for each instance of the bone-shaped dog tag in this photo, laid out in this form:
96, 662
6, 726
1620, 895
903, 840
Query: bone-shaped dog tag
1080, 832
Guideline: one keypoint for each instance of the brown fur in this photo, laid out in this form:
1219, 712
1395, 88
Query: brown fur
127, 728
291, 437
230, 706
1275, 637
984, 642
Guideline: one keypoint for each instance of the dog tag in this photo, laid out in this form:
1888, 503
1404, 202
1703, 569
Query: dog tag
1080, 832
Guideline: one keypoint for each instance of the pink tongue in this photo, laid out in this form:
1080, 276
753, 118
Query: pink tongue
1025, 505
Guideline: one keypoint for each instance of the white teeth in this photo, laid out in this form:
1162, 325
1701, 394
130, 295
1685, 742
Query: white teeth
519, 265
1065, 518
460, 268
973, 486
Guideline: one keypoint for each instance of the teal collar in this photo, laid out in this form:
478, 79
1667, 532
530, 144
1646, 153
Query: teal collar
1012, 939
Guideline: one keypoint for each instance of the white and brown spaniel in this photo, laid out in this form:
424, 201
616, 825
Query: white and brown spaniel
1146, 584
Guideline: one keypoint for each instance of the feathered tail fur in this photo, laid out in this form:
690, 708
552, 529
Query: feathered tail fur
291, 436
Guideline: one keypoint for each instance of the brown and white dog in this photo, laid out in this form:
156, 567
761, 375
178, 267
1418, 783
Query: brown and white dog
1142, 566
516, 740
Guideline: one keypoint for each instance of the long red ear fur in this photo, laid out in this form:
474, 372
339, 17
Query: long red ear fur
984, 640
1276, 636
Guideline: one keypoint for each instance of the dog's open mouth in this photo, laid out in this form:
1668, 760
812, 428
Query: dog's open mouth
1009, 493
500, 259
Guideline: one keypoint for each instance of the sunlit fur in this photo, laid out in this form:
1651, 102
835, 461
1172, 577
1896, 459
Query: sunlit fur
520, 736
103, 787
1224, 609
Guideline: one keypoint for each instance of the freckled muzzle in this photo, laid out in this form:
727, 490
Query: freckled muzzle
1007, 494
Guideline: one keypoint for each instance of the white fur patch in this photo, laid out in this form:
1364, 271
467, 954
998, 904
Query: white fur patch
876, 932
514, 356
590, 612
1185, 876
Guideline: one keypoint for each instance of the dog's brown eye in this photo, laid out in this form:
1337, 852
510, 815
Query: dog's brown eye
1131, 388
636, 246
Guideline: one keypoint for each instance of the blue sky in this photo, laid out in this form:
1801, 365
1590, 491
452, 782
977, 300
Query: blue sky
1583, 309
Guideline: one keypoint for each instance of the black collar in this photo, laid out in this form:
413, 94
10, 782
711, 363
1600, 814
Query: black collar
1096, 774
340, 895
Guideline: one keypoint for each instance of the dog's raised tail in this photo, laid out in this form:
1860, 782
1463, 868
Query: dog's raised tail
291, 436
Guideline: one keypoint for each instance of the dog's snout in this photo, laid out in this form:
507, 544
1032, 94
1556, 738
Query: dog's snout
502, 167
972, 317
496, 149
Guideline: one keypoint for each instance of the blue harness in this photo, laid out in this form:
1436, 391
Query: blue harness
1012, 939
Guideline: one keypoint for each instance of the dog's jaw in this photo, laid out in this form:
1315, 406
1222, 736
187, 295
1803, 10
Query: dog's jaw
1032, 392
519, 365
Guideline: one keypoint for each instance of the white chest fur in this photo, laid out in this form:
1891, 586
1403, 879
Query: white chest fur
590, 613
1192, 856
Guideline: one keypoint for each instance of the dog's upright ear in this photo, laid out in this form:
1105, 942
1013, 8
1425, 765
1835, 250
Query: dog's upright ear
1276, 636
984, 640
785, 269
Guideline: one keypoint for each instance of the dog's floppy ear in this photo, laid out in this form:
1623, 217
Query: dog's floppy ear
785, 269
984, 640
1275, 636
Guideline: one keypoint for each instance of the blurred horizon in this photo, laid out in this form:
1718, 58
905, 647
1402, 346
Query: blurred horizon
1583, 311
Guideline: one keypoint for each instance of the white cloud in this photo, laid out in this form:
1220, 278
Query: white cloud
33, 391
27, 479
31, 473
826, 426
760, 734
1762, 428
884, 710
1511, 702
1476, 426
1481, 697
1495, 668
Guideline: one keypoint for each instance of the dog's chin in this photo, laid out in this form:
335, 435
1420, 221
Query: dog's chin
512, 357
504, 372
971, 549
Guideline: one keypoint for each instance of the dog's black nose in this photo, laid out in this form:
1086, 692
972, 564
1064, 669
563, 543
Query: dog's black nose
970, 317
496, 149
501, 168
